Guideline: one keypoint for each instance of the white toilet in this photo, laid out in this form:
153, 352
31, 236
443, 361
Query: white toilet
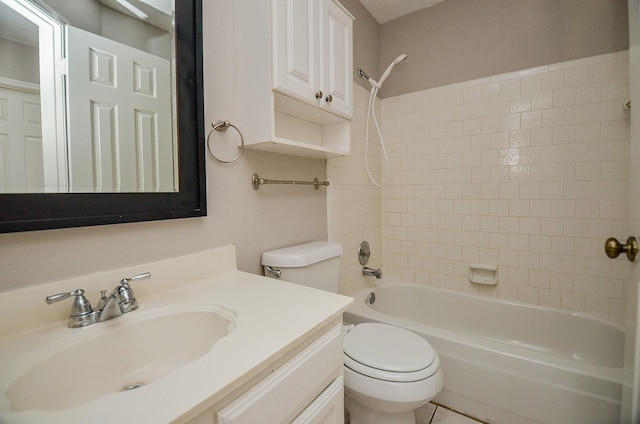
388, 371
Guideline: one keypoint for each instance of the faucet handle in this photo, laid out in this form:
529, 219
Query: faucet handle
81, 312
143, 276
125, 294
61, 296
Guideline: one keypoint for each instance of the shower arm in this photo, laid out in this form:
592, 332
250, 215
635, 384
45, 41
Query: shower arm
387, 72
362, 74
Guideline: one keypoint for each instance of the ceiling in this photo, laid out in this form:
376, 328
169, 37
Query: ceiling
388, 10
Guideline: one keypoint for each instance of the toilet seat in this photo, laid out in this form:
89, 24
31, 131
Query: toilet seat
389, 353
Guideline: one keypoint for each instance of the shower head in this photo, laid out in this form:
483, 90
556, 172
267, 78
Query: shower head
386, 73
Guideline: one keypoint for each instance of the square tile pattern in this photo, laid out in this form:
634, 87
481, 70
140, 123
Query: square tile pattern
527, 170
436, 414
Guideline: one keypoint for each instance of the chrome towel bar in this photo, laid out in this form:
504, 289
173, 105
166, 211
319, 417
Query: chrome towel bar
256, 182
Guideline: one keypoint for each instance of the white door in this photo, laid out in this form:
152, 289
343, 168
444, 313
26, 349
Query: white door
631, 390
296, 52
21, 153
120, 137
338, 58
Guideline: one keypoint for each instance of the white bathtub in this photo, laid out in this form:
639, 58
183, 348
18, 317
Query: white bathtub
508, 362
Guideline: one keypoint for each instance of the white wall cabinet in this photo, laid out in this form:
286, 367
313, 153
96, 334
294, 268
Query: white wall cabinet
297, 62
338, 57
274, 57
312, 53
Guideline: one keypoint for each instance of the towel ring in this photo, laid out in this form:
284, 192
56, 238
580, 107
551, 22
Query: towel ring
223, 126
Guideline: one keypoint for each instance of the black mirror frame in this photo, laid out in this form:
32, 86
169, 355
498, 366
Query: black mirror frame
37, 211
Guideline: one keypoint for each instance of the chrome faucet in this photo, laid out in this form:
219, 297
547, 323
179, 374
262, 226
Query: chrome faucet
120, 301
370, 271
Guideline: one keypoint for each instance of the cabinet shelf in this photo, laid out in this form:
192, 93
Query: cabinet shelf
297, 148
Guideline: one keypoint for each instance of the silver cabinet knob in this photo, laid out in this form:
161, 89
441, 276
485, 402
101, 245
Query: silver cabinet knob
613, 248
319, 95
329, 98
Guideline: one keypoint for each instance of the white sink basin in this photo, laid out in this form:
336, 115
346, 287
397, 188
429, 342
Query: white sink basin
121, 354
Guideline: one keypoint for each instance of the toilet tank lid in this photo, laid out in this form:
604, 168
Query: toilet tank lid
302, 254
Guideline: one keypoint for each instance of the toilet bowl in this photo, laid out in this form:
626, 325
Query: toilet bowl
388, 371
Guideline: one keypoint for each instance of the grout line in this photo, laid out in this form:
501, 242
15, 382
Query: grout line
457, 412
434, 413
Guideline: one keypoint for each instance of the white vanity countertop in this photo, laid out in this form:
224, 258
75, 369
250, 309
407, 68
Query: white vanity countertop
271, 318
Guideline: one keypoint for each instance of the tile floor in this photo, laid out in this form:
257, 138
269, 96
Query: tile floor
436, 414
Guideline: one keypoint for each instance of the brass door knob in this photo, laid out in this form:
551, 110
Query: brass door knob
613, 248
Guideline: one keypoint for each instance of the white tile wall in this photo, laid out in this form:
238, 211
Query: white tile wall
527, 170
354, 205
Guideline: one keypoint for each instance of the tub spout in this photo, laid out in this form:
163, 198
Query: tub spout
370, 271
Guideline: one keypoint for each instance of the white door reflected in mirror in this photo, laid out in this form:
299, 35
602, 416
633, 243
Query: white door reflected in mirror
99, 115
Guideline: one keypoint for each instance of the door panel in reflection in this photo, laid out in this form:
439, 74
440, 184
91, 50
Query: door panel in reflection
115, 99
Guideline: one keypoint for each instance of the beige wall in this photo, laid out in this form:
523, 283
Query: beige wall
460, 40
366, 41
253, 221
24, 67
273, 217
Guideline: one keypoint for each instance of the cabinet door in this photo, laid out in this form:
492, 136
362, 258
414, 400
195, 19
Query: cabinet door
291, 388
328, 408
338, 57
296, 43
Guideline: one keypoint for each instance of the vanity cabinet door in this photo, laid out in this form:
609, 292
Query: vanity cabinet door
294, 388
328, 408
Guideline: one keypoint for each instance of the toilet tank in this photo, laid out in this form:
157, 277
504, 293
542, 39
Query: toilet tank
315, 264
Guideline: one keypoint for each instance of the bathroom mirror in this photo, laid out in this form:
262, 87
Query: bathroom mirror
182, 194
